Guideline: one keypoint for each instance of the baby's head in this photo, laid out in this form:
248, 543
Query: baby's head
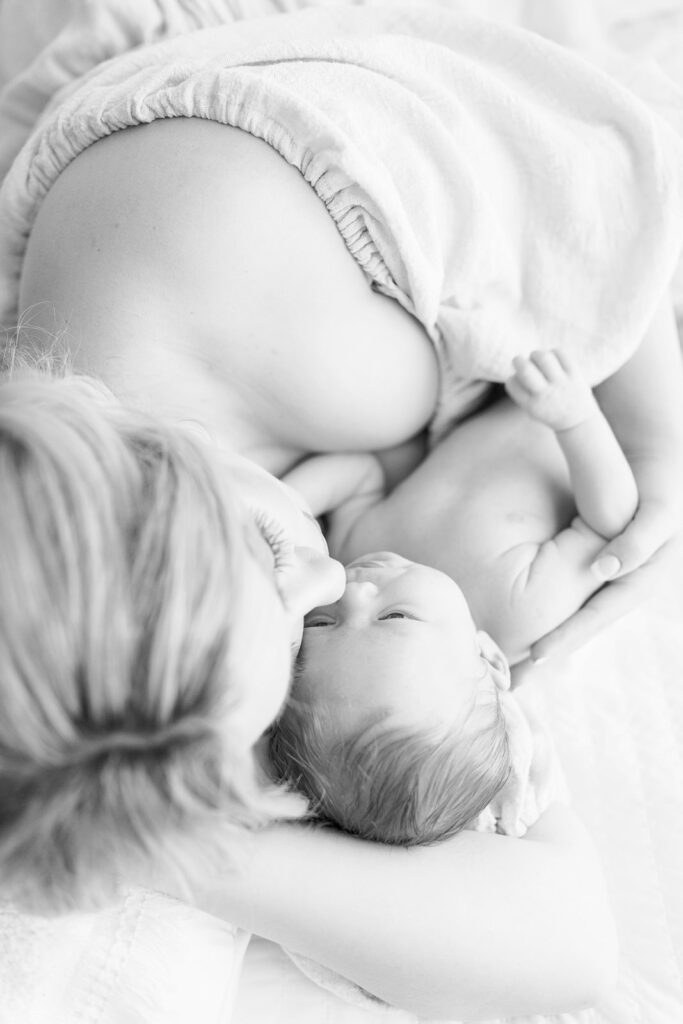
394, 727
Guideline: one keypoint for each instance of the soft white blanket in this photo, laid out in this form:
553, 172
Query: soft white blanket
147, 960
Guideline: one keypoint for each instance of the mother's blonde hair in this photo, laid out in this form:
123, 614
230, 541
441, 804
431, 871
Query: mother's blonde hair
120, 566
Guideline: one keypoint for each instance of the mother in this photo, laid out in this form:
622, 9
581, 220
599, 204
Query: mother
202, 278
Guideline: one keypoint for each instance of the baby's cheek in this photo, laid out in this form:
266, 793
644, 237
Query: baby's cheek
303, 687
297, 633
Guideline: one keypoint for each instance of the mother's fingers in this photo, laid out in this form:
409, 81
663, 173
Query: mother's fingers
611, 603
607, 606
650, 529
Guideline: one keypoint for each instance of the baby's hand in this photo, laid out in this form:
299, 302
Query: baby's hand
550, 388
534, 781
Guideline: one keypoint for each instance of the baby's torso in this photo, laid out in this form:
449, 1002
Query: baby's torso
497, 479
478, 508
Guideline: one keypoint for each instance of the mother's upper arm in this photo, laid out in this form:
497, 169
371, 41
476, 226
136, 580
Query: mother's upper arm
477, 927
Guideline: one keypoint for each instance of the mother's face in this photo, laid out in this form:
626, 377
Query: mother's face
288, 572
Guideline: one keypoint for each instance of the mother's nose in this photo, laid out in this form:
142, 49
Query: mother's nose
313, 579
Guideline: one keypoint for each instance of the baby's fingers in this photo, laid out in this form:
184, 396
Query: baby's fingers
549, 364
517, 392
529, 375
568, 363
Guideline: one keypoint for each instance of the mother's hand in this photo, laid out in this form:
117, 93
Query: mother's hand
643, 402
638, 564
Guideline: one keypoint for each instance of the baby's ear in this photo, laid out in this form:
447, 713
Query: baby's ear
491, 653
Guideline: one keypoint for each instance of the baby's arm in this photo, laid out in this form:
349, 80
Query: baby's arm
340, 486
551, 389
643, 402
540, 585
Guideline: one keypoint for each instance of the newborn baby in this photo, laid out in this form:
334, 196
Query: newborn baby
494, 504
400, 726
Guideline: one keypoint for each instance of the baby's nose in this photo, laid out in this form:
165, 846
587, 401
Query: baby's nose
358, 594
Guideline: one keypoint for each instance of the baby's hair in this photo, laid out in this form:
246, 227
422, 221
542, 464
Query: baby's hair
392, 783
120, 565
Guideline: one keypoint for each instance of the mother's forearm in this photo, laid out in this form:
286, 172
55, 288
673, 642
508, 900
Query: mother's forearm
477, 927
643, 400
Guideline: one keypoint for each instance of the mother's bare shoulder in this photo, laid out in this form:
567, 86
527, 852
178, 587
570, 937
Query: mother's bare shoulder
192, 245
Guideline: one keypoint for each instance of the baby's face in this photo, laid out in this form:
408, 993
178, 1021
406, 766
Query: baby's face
401, 637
